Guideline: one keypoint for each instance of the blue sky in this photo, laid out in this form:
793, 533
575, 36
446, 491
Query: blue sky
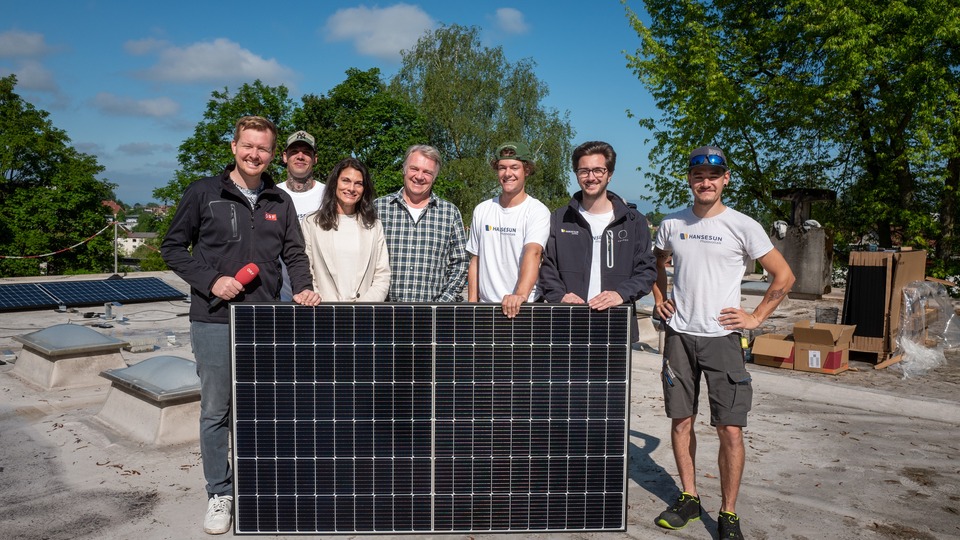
128, 81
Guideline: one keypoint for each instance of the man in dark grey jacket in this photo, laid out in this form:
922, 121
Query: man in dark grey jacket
599, 251
223, 223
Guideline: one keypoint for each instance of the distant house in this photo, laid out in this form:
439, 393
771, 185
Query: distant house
159, 211
132, 240
113, 206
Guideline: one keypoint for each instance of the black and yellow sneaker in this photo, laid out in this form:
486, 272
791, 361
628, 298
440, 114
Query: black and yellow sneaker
730, 526
686, 509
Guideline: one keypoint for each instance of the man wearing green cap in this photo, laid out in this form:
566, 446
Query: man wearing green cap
507, 235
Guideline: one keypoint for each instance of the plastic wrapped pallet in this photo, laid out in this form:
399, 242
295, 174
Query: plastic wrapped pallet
928, 317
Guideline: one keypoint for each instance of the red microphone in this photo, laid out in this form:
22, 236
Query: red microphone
245, 275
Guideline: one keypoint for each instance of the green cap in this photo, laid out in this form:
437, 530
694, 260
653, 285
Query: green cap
514, 150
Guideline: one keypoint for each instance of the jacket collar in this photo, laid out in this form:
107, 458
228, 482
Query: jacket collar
269, 186
620, 207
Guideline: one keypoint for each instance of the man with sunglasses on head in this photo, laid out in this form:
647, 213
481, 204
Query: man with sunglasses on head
711, 246
300, 157
599, 251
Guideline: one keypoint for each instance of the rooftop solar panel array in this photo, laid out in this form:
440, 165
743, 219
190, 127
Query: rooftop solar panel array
48, 294
429, 418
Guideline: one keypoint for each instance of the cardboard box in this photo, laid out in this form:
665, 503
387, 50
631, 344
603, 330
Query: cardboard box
774, 350
821, 347
899, 269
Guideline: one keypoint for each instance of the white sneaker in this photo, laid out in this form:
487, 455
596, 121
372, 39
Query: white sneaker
219, 515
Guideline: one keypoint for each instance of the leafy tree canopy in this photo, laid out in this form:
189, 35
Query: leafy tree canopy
856, 96
471, 100
51, 195
147, 222
207, 152
361, 117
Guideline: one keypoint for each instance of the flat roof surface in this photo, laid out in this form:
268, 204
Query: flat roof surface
864, 454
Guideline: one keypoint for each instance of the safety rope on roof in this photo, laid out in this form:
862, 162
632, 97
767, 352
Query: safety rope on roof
52, 253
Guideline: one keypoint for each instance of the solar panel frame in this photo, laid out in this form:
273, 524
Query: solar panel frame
523, 438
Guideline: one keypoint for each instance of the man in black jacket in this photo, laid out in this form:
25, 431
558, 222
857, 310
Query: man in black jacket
599, 250
223, 223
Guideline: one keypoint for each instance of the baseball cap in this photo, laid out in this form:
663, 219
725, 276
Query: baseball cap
301, 136
521, 152
708, 155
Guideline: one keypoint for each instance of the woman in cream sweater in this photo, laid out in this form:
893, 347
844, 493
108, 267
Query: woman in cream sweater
344, 239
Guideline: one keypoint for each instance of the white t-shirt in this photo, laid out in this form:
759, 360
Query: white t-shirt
710, 257
597, 222
415, 213
305, 202
497, 237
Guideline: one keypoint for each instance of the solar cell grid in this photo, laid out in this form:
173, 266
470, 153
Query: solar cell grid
92, 292
16, 296
447, 418
77, 293
19, 296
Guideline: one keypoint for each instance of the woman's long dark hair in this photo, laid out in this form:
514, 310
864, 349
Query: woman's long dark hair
326, 216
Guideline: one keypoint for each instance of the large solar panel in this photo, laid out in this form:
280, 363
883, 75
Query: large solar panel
19, 296
386, 418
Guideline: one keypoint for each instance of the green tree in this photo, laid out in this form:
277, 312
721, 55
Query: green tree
52, 197
360, 117
207, 152
857, 96
149, 256
147, 222
471, 100
655, 218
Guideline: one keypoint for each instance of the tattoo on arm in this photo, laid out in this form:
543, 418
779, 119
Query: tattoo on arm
777, 294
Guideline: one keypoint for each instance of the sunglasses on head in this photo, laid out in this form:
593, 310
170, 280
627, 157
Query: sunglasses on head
704, 159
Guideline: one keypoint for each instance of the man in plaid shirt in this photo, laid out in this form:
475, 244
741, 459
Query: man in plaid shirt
425, 235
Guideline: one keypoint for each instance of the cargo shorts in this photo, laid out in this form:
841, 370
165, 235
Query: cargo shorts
721, 362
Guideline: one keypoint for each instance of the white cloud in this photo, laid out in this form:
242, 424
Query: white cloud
25, 48
379, 32
31, 75
143, 148
122, 106
17, 44
511, 21
94, 149
219, 61
139, 47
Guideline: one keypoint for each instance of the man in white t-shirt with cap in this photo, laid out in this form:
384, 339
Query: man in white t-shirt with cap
300, 157
711, 246
507, 235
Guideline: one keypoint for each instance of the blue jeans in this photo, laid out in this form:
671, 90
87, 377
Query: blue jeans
211, 348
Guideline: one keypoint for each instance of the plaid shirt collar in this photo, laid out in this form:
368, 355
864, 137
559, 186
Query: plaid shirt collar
398, 198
